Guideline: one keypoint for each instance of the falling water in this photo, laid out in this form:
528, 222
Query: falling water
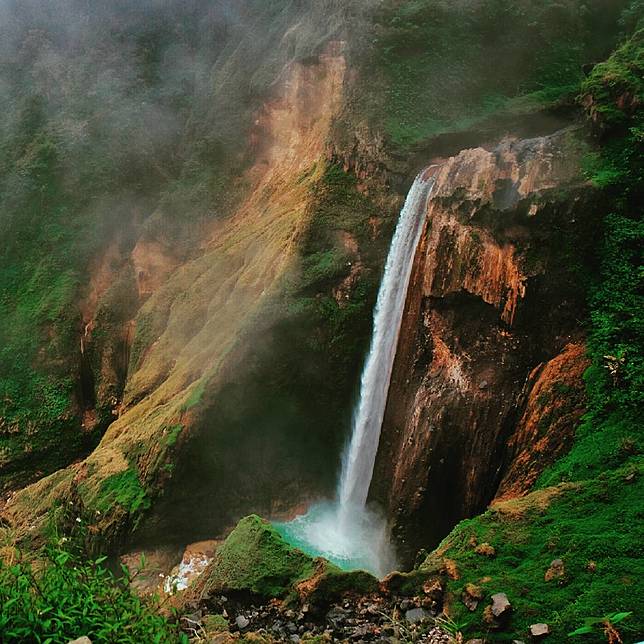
347, 532
359, 458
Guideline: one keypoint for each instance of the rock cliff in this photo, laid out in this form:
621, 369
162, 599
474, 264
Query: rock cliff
486, 387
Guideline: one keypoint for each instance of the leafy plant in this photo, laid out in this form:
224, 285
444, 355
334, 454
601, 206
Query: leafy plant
605, 624
67, 596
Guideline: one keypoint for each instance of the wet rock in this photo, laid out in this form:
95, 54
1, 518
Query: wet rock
539, 631
556, 570
406, 604
242, 622
485, 550
415, 615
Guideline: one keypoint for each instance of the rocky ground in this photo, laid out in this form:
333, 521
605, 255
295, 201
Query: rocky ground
221, 619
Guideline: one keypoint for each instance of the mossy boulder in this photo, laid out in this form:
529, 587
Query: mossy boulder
255, 559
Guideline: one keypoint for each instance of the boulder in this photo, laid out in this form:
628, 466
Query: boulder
256, 559
471, 596
497, 614
81, 640
415, 615
242, 622
501, 606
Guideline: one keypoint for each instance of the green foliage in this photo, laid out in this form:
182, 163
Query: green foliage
610, 434
67, 596
591, 520
445, 66
591, 624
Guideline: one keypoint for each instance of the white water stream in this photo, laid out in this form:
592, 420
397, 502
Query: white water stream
347, 532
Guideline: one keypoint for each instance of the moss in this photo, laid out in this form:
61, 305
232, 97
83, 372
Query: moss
125, 489
172, 434
595, 521
255, 559
333, 583
216, 624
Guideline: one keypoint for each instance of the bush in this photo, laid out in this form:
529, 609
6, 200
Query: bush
70, 596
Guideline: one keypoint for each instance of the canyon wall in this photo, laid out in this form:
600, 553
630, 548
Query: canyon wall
487, 386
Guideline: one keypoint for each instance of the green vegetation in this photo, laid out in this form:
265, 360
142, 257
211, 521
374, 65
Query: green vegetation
254, 558
67, 595
593, 527
445, 66
125, 489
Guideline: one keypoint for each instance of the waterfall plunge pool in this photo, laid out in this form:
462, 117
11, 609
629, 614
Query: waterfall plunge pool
355, 540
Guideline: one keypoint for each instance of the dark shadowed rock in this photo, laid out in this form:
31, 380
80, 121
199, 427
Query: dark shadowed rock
242, 622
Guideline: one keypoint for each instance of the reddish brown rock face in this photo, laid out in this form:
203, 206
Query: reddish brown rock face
491, 306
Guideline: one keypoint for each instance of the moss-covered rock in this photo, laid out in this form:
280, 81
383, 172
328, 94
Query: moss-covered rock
255, 560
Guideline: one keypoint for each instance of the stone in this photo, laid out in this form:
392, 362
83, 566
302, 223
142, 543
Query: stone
415, 615
81, 640
242, 622
451, 569
556, 570
501, 605
498, 612
433, 589
485, 549
539, 631
471, 596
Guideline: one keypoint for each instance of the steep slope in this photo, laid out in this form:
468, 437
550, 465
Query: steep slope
239, 269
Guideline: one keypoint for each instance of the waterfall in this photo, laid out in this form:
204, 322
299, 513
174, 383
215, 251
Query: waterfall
347, 532
360, 455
